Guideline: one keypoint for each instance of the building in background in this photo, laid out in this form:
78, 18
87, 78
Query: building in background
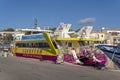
108, 36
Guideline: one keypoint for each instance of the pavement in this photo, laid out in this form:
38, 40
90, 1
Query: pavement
18, 68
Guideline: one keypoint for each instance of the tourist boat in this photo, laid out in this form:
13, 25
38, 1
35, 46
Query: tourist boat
46, 44
34, 43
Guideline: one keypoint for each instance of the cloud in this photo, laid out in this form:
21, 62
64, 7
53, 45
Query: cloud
87, 20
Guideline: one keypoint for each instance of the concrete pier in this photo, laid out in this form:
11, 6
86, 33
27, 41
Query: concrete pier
16, 68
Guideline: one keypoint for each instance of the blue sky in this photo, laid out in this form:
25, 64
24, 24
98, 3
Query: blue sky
21, 13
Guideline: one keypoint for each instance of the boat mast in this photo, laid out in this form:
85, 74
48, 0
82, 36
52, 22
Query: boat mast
35, 23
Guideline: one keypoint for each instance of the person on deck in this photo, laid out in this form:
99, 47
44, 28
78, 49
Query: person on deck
77, 61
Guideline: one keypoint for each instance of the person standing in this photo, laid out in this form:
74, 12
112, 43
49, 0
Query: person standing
77, 61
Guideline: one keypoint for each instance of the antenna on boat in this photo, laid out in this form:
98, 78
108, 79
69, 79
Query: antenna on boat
35, 23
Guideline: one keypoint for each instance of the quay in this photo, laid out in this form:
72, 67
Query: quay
19, 68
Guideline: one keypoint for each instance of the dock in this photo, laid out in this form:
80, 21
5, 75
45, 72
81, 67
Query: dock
19, 68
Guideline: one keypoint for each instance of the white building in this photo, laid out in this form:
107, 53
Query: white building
109, 36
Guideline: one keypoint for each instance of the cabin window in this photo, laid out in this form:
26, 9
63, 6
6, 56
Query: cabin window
101, 35
36, 45
45, 45
33, 45
69, 44
24, 44
40, 44
81, 43
30, 45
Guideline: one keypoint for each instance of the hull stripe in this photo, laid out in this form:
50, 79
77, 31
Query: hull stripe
37, 56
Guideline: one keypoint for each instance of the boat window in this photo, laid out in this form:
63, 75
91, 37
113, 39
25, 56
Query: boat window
69, 44
101, 35
24, 44
27, 33
34, 45
81, 43
30, 45
40, 44
36, 32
